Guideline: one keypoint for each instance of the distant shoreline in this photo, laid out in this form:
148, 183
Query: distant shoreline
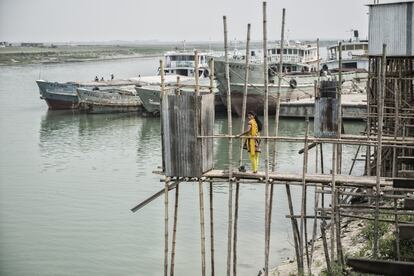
17, 55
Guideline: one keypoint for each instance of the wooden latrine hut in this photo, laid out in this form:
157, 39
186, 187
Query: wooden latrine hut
184, 118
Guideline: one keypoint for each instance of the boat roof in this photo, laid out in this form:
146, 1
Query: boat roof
184, 53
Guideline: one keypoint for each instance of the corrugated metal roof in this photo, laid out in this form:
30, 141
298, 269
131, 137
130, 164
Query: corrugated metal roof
392, 24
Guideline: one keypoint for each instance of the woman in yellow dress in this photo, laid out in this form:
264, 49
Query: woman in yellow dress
252, 144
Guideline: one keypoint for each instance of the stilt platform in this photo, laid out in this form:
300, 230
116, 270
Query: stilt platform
345, 180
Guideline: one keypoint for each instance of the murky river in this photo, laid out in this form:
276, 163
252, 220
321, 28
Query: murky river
68, 180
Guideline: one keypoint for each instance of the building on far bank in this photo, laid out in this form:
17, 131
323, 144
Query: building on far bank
32, 44
4, 44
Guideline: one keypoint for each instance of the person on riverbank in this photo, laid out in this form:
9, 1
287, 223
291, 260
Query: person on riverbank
252, 145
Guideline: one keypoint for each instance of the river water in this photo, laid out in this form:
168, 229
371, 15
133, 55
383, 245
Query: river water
68, 180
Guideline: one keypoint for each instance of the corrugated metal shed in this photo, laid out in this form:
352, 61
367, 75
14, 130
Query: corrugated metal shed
185, 155
392, 24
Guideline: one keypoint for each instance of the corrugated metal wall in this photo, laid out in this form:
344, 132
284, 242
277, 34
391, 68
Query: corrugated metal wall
183, 154
391, 24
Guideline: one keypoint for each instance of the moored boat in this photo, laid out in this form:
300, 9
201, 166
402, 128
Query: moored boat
60, 95
112, 100
298, 77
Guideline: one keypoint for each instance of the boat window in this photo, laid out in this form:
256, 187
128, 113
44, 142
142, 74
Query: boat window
343, 47
284, 51
301, 53
278, 51
349, 47
359, 47
253, 53
273, 51
173, 58
366, 47
289, 51
295, 51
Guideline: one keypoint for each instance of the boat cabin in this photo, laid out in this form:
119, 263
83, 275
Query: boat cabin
182, 63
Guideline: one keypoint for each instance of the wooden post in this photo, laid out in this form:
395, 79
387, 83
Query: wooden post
380, 104
166, 226
246, 83
303, 221
230, 149
174, 229
266, 129
211, 75
202, 231
315, 224
211, 229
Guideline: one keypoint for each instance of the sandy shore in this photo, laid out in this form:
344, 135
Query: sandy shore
352, 242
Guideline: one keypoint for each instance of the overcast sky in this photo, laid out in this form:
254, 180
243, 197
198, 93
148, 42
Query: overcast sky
176, 20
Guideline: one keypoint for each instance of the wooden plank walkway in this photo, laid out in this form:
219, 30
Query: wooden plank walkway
297, 177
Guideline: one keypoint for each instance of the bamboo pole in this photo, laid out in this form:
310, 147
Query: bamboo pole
379, 147
246, 78
325, 246
166, 227
295, 231
211, 75
211, 229
202, 227
394, 167
315, 224
368, 149
166, 184
333, 202
236, 216
303, 222
339, 106
266, 129
174, 229
230, 148
279, 84
339, 164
